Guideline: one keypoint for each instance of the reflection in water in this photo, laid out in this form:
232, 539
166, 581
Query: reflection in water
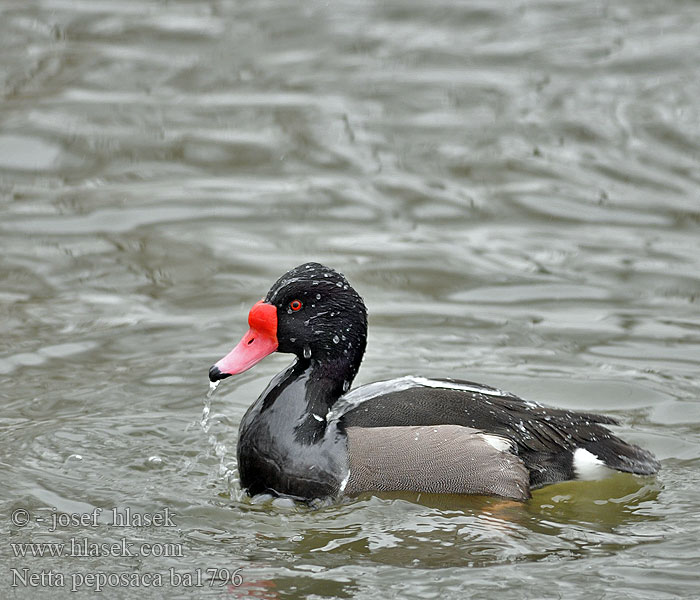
513, 190
568, 520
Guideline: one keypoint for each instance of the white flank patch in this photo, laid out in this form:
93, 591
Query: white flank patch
499, 443
588, 466
344, 483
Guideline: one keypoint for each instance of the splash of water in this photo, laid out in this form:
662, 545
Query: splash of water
204, 421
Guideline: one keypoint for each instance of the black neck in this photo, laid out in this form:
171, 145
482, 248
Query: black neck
287, 424
307, 390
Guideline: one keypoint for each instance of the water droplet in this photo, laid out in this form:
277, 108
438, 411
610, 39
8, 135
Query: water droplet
336, 339
307, 352
346, 385
204, 421
339, 284
318, 296
212, 387
220, 449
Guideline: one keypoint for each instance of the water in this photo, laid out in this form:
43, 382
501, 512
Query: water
512, 187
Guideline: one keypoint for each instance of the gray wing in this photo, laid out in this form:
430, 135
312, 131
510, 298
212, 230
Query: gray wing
445, 459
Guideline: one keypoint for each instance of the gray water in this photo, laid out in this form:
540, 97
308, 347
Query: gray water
513, 187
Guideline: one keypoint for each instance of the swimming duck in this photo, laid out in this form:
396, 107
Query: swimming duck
310, 436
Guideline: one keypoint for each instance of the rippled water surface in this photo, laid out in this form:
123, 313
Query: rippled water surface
513, 187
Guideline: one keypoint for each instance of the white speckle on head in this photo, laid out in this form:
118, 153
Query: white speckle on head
588, 466
496, 441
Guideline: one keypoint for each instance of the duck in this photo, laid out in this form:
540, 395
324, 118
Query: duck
310, 436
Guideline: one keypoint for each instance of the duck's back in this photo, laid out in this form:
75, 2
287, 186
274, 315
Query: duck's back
553, 444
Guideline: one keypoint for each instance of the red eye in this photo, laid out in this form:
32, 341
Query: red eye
295, 305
